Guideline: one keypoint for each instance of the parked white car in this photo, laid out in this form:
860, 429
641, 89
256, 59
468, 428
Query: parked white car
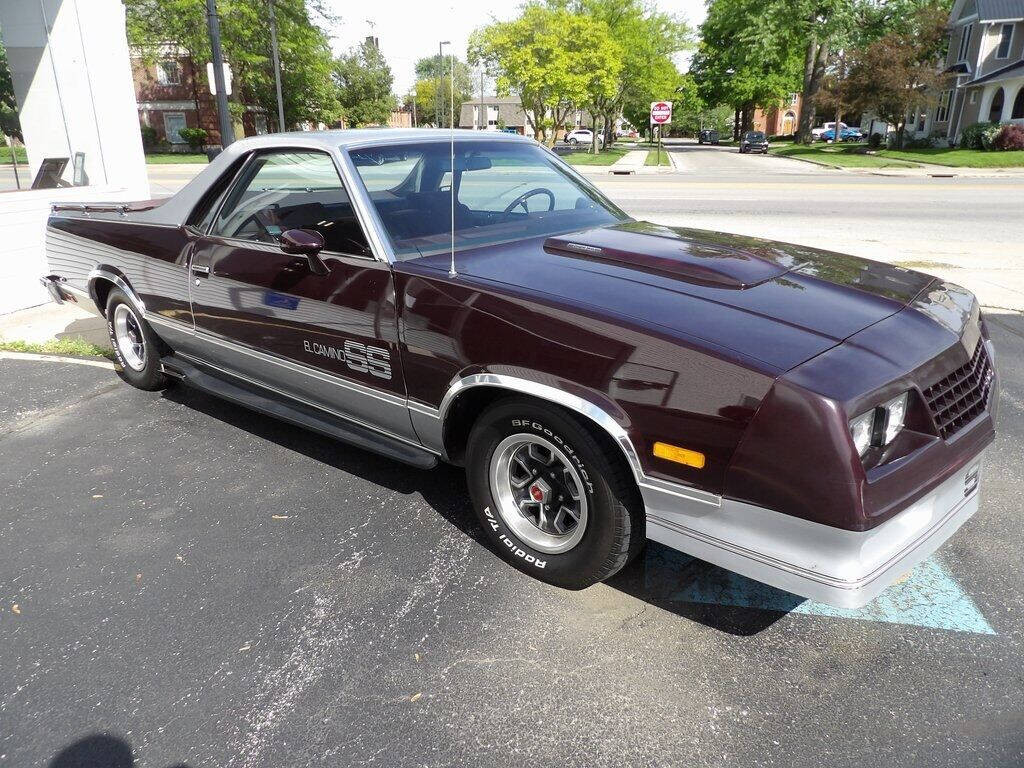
582, 136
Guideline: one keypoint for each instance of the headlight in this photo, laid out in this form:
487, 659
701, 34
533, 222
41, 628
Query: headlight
895, 413
880, 425
862, 428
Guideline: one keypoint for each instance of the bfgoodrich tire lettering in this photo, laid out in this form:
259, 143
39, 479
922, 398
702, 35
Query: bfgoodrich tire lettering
610, 506
136, 347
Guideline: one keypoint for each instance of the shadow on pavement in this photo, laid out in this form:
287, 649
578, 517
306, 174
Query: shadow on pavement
98, 750
659, 576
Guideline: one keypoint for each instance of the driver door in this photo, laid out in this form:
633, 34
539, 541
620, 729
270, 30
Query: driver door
329, 340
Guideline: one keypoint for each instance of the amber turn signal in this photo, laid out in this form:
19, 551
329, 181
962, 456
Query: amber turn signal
679, 455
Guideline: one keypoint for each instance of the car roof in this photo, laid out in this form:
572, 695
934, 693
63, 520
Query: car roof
369, 137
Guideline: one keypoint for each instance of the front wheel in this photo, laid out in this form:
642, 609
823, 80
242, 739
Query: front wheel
573, 142
136, 347
552, 499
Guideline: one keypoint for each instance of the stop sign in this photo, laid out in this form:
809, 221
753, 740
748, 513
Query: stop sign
661, 112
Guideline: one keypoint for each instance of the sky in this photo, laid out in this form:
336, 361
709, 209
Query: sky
411, 29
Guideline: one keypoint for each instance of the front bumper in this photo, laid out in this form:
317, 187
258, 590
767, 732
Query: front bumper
846, 569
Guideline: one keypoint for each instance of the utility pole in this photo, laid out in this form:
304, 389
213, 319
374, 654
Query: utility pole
414, 106
227, 133
483, 115
440, 82
277, 67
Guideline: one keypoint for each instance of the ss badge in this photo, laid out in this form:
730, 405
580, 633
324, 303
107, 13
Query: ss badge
971, 480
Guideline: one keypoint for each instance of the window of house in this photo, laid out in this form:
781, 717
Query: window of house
1005, 40
1018, 105
965, 42
995, 110
168, 73
278, 191
492, 116
942, 109
974, 97
174, 122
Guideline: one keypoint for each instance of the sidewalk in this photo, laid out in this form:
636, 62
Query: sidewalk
49, 321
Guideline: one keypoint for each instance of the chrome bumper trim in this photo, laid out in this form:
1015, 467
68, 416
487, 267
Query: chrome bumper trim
846, 569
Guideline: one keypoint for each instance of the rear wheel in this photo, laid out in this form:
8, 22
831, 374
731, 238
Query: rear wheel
136, 347
551, 499
573, 142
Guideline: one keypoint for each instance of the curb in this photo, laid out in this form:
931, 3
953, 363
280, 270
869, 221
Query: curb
96, 362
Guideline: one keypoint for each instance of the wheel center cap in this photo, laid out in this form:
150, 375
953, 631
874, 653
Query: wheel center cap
540, 491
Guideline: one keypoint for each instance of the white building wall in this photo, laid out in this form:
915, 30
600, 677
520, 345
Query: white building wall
72, 78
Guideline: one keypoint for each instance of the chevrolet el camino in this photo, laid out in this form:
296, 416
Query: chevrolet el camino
808, 419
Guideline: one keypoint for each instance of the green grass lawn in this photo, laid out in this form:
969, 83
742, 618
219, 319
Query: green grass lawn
840, 157
63, 347
959, 158
604, 157
656, 157
19, 152
174, 158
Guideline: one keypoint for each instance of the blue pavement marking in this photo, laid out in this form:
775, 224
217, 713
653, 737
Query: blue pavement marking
927, 598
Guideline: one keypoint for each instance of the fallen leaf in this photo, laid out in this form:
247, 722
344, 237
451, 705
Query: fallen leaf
417, 657
179, 558
416, 697
97, 495
138, 577
16, 609
245, 647
279, 517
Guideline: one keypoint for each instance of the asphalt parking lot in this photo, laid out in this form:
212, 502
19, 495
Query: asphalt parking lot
196, 585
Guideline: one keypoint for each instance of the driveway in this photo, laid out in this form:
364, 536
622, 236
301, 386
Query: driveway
694, 158
202, 586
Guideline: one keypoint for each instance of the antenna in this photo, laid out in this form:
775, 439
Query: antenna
451, 127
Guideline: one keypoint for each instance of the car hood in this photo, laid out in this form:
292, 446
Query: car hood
777, 303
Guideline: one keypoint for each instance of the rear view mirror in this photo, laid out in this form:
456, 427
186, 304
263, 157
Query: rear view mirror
472, 163
308, 243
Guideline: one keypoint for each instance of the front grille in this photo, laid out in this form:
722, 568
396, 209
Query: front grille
961, 397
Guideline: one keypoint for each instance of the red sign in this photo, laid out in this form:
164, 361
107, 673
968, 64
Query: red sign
661, 112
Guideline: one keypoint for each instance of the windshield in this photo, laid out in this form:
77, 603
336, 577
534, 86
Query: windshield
755, 136
504, 191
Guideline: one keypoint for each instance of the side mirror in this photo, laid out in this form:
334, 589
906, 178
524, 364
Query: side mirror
308, 243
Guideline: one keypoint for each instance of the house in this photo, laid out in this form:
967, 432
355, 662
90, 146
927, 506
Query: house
172, 93
493, 113
985, 63
780, 120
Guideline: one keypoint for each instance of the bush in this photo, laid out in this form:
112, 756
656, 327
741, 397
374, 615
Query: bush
875, 140
195, 137
974, 136
1010, 137
148, 137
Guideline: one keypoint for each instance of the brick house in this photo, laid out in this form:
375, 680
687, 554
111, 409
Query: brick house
780, 120
985, 64
172, 93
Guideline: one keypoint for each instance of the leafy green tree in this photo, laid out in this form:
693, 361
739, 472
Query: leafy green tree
307, 64
749, 55
896, 73
553, 59
364, 85
647, 39
8, 104
429, 107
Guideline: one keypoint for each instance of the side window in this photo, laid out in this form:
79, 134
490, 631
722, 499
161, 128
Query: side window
278, 191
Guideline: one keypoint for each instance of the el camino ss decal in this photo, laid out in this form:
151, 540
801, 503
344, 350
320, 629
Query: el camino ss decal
358, 357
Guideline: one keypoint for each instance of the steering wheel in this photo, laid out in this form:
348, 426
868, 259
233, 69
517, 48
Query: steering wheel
521, 200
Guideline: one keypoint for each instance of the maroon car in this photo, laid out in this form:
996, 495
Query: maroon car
808, 419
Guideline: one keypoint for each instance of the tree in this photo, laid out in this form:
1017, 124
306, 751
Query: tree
307, 64
749, 55
647, 40
432, 108
551, 58
364, 84
8, 104
898, 72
